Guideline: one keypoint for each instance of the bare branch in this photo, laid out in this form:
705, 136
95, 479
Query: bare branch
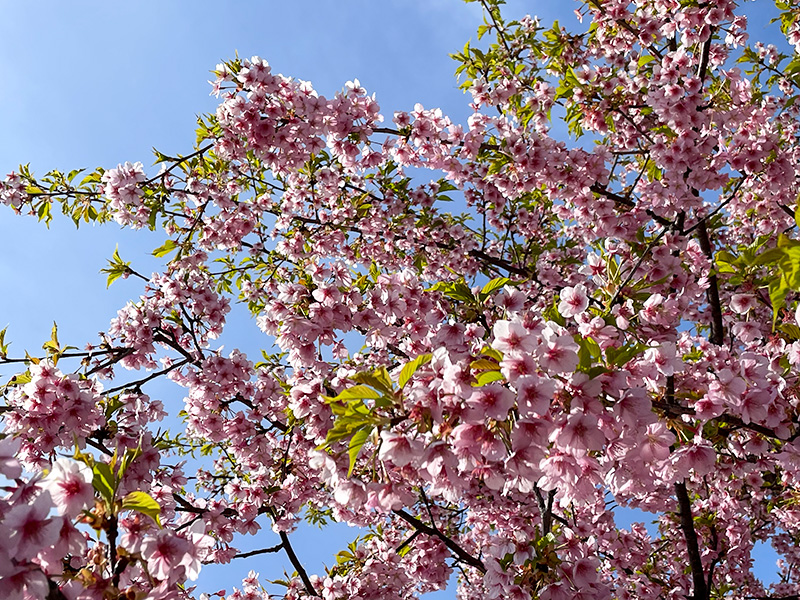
298, 566
692, 547
270, 550
462, 554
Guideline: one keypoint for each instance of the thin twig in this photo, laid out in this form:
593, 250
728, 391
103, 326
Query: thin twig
638, 264
270, 550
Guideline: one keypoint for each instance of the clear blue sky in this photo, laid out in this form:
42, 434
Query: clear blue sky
98, 83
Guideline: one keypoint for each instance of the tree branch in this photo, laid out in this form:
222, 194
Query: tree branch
717, 336
298, 566
462, 554
271, 549
692, 547
635, 268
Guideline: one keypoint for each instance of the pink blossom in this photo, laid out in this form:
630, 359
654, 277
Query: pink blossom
698, 457
165, 553
512, 336
656, 442
28, 529
492, 400
743, 303
534, 394
70, 486
728, 386
584, 573
665, 358
24, 582
573, 301
398, 448
559, 353
580, 434
9, 465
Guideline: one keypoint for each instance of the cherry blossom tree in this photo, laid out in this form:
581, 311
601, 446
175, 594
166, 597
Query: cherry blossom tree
608, 319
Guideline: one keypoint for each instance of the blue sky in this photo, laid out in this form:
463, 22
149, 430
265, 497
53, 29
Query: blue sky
98, 83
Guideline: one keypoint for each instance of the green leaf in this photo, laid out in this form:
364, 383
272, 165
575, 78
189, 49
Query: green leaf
778, 290
791, 330
104, 481
93, 177
166, 248
116, 267
455, 290
584, 357
161, 157
411, 367
357, 392
143, 503
20, 379
44, 212
356, 444
644, 59
797, 213
379, 379
487, 377
112, 276
793, 67
790, 266
491, 352
619, 357
130, 455
494, 284
484, 364
3, 345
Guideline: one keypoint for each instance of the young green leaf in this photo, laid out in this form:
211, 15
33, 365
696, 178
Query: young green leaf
104, 481
411, 367
356, 444
143, 503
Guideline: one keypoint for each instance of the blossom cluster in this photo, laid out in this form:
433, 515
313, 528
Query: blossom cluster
605, 324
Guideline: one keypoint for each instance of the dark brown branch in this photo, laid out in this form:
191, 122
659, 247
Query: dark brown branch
547, 521
716, 559
85, 354
408, 540
725, 422
140, 382
703, 69
186, 506
161, 337
298, 566
635, 268
720, 206
387, 130
692, 547
500, 31
98, 446
462, 554
178, 161
628, 203
717, 335
270, 550
500, 262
